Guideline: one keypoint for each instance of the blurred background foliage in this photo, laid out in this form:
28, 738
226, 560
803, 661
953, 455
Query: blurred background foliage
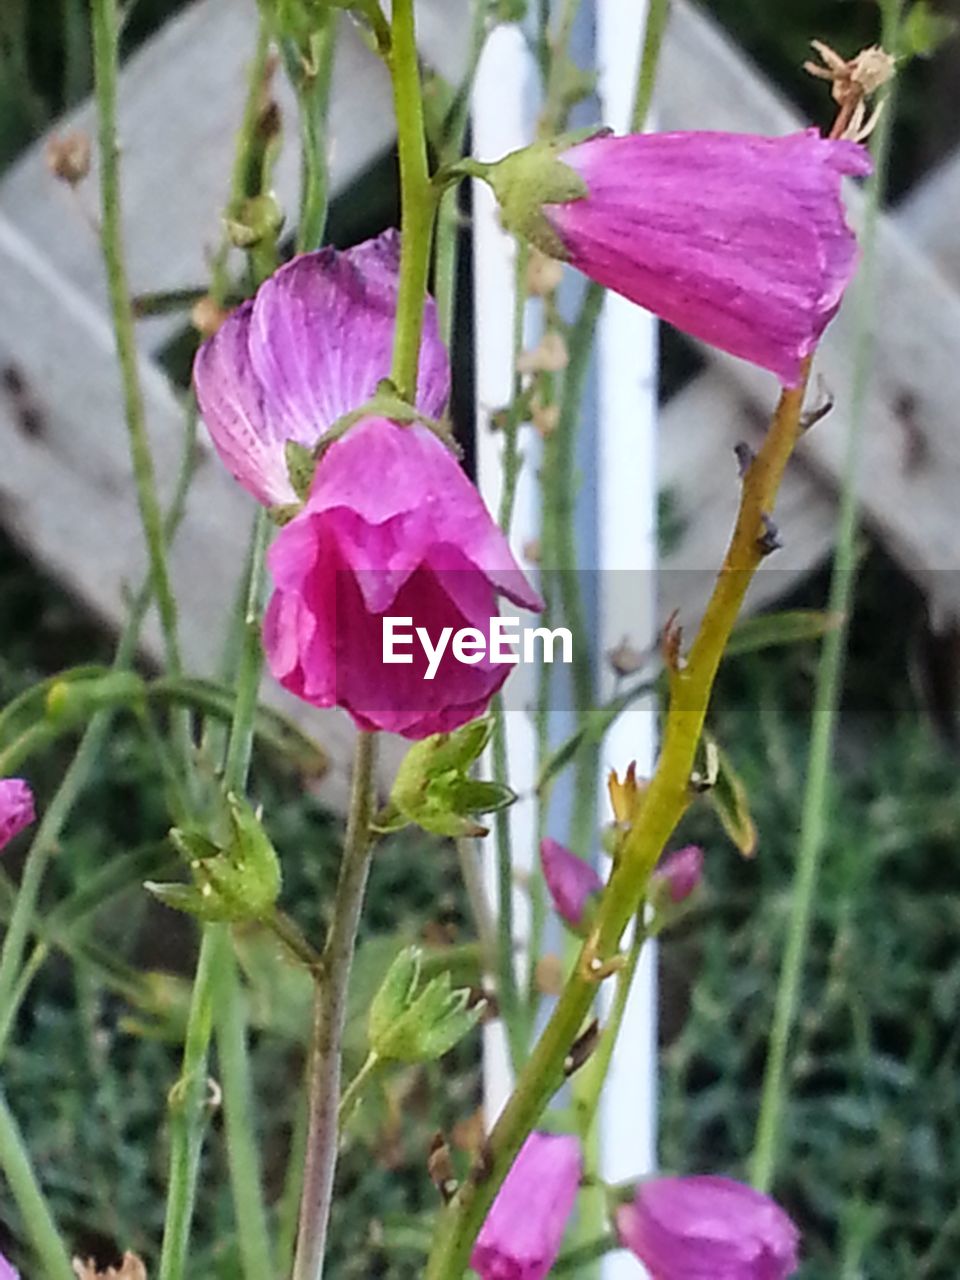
874, 1177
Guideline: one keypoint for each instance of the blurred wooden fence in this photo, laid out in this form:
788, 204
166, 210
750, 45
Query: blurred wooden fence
65, 483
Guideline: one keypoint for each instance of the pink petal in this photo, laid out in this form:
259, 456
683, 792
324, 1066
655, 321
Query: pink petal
17, 810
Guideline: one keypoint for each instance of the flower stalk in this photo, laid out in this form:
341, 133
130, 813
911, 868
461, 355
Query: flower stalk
665, 803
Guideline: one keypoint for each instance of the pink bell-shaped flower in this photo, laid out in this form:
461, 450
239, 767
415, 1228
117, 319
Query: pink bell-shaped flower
736, 239
16, 810
392, 528
707, 1228
523, 1231
311, 346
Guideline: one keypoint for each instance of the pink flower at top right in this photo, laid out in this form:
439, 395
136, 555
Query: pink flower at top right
738, 240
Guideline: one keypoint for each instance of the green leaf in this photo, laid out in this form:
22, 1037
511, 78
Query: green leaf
773, 630
728, 797
922, 31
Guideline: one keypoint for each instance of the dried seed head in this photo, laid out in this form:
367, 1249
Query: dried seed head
68, 156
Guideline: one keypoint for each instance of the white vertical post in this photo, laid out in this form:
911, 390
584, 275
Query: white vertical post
626, 515
502, 121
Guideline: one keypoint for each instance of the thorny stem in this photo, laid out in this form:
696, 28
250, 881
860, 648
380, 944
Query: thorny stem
775, 1092
330, 1009
664, 805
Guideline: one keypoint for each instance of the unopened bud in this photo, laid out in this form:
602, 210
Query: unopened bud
68, 156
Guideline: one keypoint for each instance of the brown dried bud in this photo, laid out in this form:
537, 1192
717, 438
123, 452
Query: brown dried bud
207, 316
626, 659
549, 356
543, 274
548, 975
68, 156
545, 417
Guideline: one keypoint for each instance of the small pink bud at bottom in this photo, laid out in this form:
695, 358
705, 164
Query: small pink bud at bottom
681, 872
571, 881
707, 1226
16, 812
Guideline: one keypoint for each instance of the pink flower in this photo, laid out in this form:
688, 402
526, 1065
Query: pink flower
705, 1228
7, 1272
738, 240
16, 810
522, 1234
571, 881
311, 346
680, 872
392, 527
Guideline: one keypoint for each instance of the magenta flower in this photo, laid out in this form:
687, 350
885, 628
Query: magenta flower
522, 1234
705, 1228
571, 881
737, 240
392, 528
311, 346
7, 1272
680, 872
16, 810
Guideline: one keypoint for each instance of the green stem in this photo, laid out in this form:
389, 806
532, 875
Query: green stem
250, 667
38, 1220
330, 1008
242, 1150
507, 994
351, 1095
187, 1105
313, 100
658, 12
572, 1262
664, 804
816, 797
418, 200
105, 21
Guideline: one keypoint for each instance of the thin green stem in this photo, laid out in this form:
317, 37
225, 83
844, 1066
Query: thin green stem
508, 997
418, 200
351, 1095
250, 667
658, 11
37, 1219
572, 1262
243, 1152
105, 20
769, 1139
330, 1008
188, 1106
312, 87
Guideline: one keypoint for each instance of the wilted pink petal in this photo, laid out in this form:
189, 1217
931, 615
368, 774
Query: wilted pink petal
524, 1229
311, 346
16, 811
571, 881
706, 1228
681, 872
418, 543
738, 240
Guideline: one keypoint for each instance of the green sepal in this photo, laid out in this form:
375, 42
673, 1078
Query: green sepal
526, 180
301, 465
238, 882
257, 219
433, 787
729, 800
411, 1025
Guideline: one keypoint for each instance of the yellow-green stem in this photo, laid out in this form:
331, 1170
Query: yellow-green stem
664, 805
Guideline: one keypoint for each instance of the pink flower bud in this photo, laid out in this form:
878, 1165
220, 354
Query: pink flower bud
392, 528
16, 810
686, 1228
310, 347
571, 881
680, 872
522, 1234
737, 240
